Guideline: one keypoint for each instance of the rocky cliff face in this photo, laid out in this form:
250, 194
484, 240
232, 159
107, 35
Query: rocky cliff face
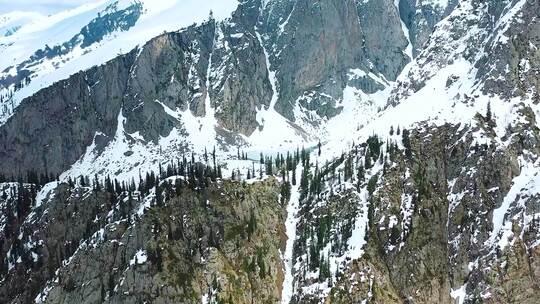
223, 68
421, 17
95, 246
438, 215
418, 182
171, 71
78, 107
314, 44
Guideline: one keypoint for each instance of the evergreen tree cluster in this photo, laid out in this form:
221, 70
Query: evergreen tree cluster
407, 143
122, 197
351, 167
30, 177
15, 211
196, 175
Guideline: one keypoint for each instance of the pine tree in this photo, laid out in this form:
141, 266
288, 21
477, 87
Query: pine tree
260, 262
252, 224
129, 202
406, 143
117, 187
269, 166
367, 161
159, 195
289, 162
313, 256
285, 193
304, 182
361, 173
372, 184
348, 171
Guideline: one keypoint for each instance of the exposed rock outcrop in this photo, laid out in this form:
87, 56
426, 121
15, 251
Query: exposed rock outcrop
433, 222
92, 246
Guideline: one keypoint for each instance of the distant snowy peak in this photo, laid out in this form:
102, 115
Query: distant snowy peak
110, 20
60, 45
102, 18
11, 22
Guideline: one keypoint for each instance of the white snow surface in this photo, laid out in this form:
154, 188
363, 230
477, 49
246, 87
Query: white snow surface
524, 186
290, 228
139, 258
11, 22
459, 294
126, 155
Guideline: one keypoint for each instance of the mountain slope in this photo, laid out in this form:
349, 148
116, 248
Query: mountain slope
418, 180
237, 48
43, 53
11, 22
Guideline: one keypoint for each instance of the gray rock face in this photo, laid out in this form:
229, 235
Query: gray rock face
510, 65
421, 16
488, 35
384, 41
316, 48
171, 69
314, 44
54, 127
48, 239
239, 74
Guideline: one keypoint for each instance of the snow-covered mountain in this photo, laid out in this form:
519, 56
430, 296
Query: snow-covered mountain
11, 22
52, 48
346, 151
